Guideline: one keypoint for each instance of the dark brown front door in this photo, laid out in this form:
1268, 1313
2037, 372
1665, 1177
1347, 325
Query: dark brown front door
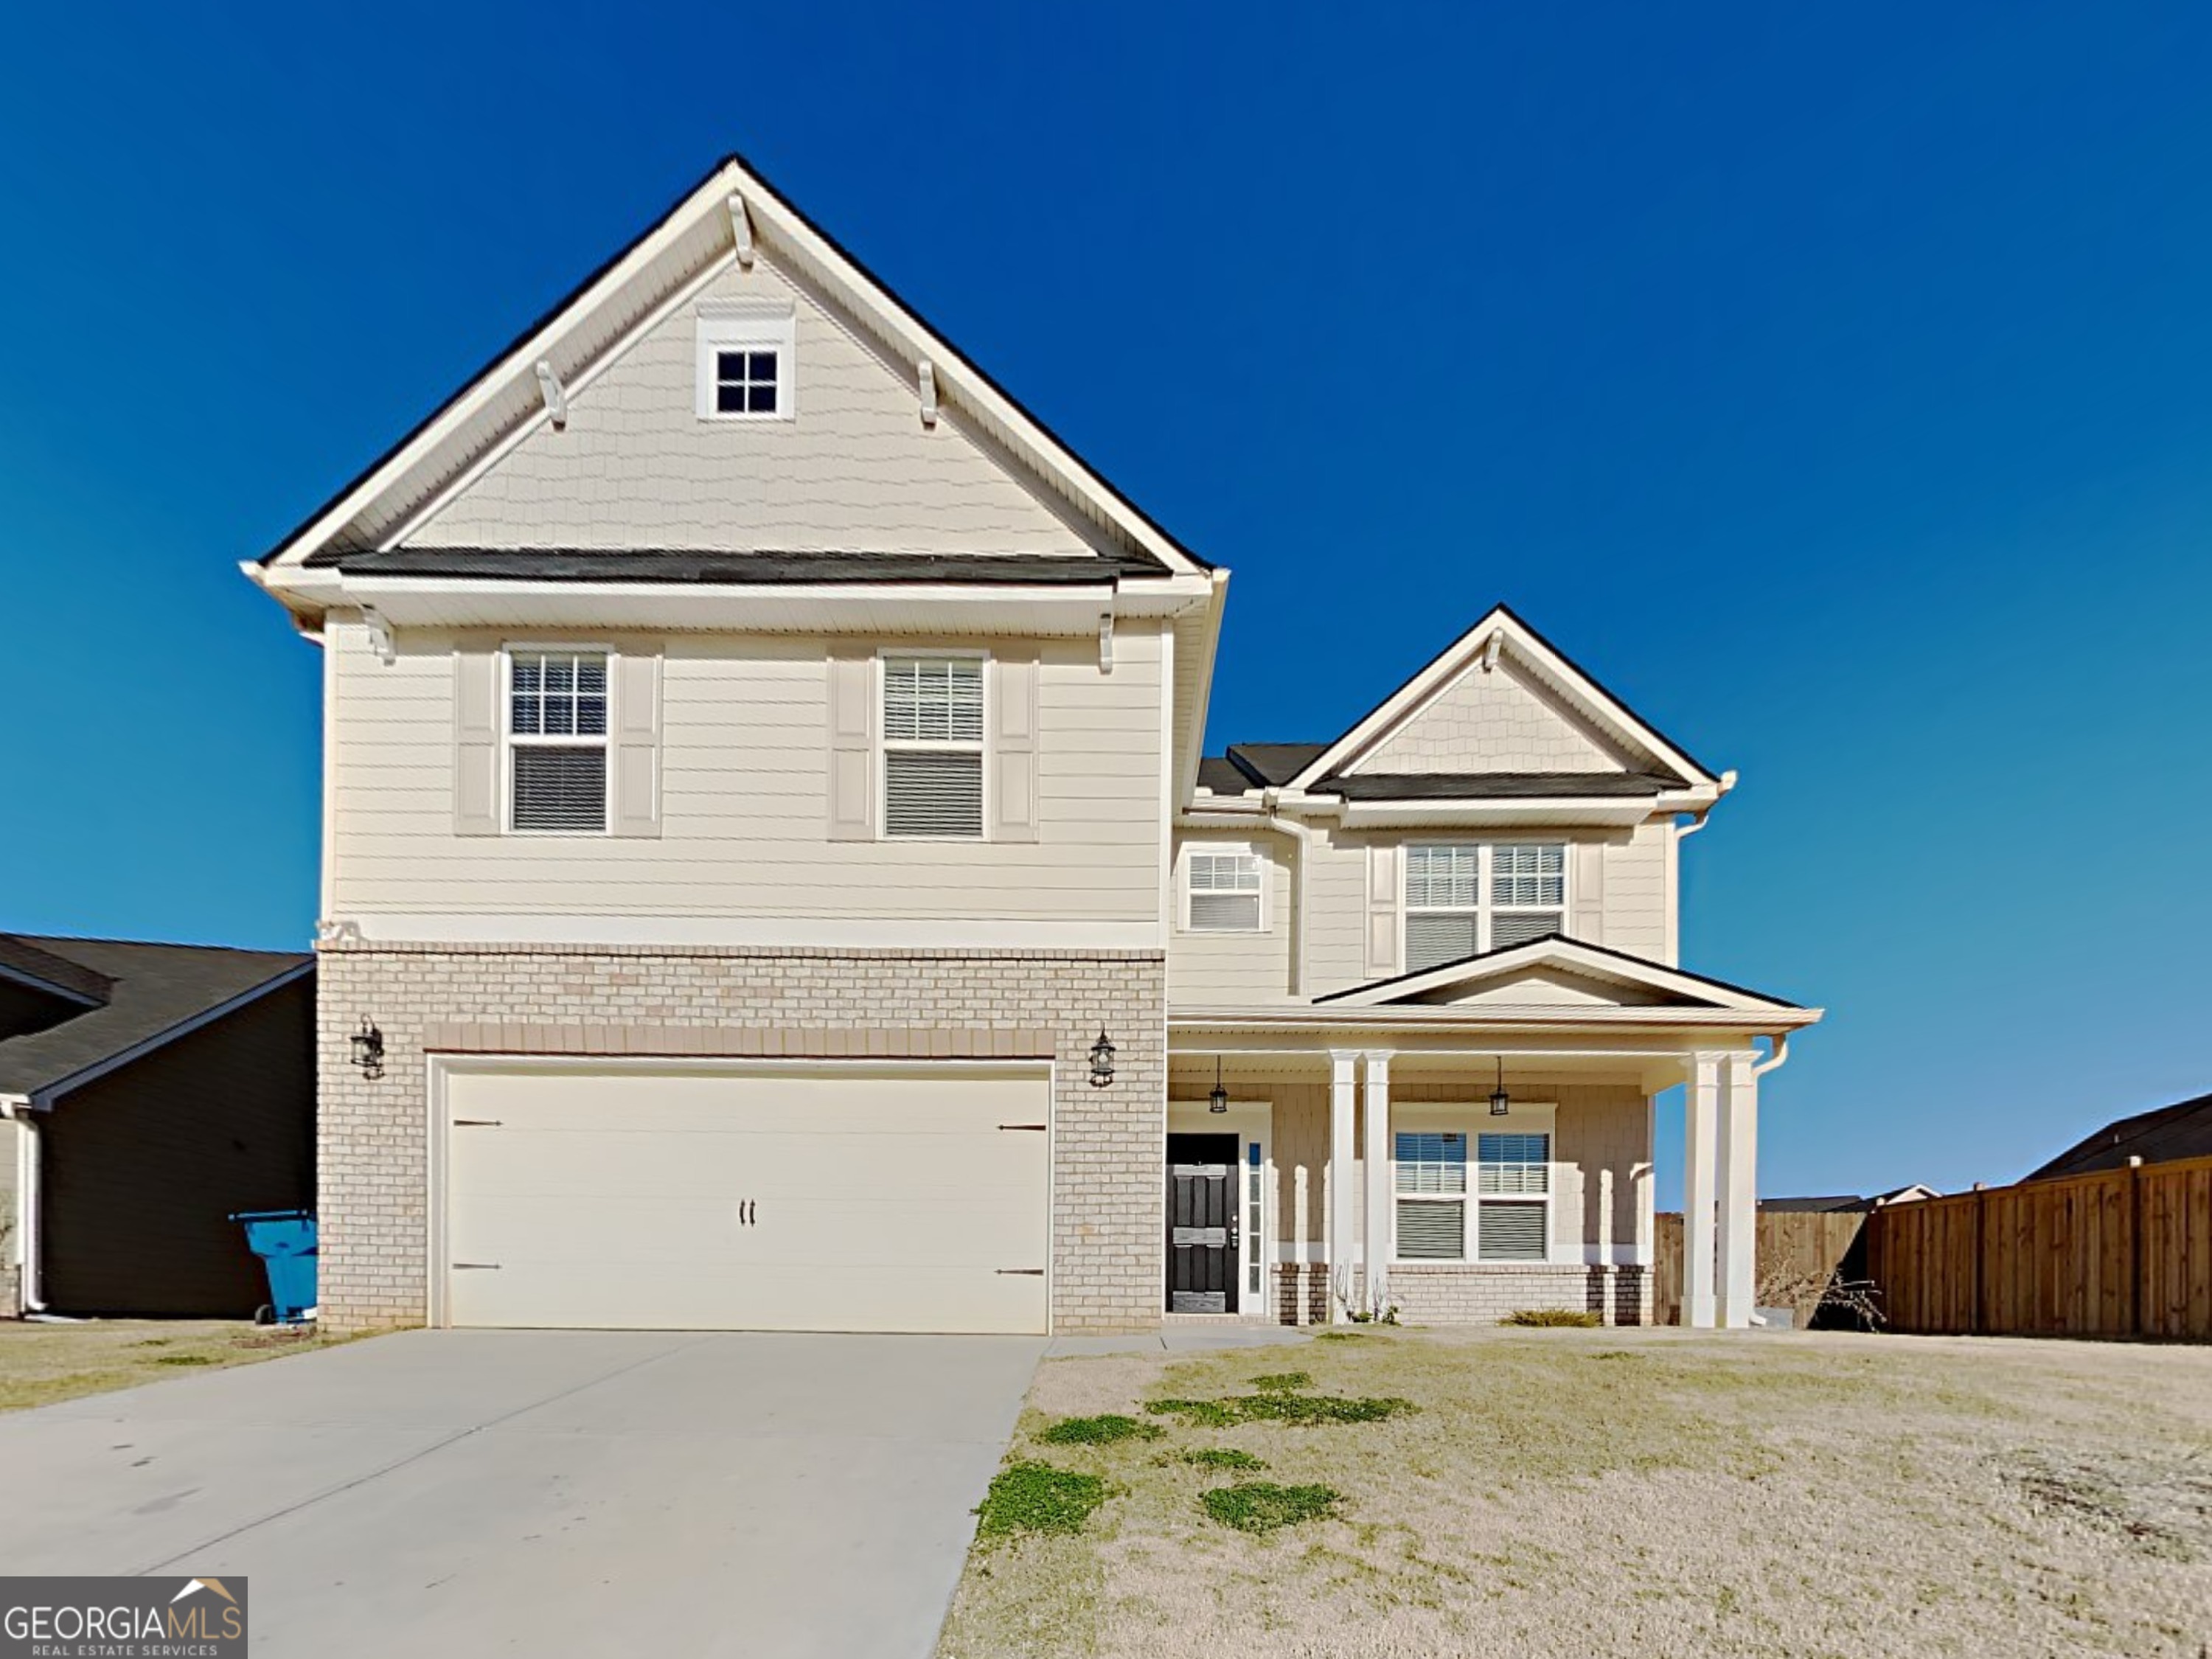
1202, 1237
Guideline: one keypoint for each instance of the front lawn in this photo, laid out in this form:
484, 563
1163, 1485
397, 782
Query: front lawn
41, 1363
1589, 1493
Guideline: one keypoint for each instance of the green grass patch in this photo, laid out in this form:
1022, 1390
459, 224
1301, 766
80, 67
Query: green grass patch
184, 1359
1283, 1382
1553, 1318
1299, 1410
1227, 1459
1262, 1506
1032, 1497
1102, 1431
1338, 1336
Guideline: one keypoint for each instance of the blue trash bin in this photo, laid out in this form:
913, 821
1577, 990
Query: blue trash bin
285, 1241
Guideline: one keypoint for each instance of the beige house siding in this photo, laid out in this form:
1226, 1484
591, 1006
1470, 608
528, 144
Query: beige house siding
1215, 968
1108, 1143
855, 470
744, 761
1492, 720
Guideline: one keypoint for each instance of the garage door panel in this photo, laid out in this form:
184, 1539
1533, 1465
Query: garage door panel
860, 1198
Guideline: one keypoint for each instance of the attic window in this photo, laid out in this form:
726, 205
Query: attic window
746, 360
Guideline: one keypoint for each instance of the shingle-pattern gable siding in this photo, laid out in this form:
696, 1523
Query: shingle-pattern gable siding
1107, 1143
1492, 720
855, 470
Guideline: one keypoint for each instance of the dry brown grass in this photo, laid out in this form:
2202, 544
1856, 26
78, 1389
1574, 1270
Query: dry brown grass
41, 1364
1593, 1493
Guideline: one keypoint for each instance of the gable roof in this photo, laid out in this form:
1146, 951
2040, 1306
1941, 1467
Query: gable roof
2162, 1136
1551, 666
156, 993
697, 233
26, 964
1593, 961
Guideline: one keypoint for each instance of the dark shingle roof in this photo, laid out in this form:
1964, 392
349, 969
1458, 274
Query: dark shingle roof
1272, 764
649, 564
1222, 775
153, 988
20, 958
2183, 1130
1839, 1203
1493, 786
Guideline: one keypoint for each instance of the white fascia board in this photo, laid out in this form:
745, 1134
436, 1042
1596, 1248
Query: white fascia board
1578, 688
1576, 959
1585, 811
1343, 1018
1195, 745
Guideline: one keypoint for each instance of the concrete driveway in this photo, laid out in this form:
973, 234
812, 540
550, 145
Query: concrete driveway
553, 1492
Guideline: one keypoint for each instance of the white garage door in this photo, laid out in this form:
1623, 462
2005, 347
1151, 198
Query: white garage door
818, 1199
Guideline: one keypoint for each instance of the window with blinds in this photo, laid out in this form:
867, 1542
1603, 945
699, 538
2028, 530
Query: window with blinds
933, 746
1463, 898
1513, 1180
1224, 892
1430, 1175
557, 737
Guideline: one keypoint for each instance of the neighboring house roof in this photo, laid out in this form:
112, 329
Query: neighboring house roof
673, 565
1491, 785
157, 992
1222, 775
1834, 1204
2170, 1133
25, 963
1558, 951
699, 228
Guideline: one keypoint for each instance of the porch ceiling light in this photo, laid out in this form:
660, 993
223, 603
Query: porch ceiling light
1218, 1100
368, 1050
1101, 1060
1500, 1102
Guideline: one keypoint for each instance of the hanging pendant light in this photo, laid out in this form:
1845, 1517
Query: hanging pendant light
1218, 1100
1500, 1102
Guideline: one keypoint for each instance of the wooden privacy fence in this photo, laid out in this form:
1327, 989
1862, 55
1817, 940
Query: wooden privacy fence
1798, 1253
2121, 1253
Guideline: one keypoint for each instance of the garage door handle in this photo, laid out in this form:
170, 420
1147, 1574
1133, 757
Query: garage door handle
1040, 1127
475, 1123
475, 1266
1022, 1272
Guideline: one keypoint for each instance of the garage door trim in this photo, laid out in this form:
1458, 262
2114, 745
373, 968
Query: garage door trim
442, 1068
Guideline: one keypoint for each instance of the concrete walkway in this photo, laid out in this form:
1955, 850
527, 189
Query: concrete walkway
575, 1493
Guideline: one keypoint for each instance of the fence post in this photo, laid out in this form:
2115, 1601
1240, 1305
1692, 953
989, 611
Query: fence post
2135, 1247
1981, 1244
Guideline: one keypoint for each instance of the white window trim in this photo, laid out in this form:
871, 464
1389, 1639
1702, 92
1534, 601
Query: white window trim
509, 739
1484, 870
747, 326
1527, 1117
886, 745
1266, 922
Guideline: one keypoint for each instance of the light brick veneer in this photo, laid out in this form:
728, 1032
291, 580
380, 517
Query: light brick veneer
1451, 1293
735, 1000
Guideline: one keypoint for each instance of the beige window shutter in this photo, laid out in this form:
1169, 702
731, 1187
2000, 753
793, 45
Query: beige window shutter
1013, 747
852, 743
635, 676
475, 741
1586, 887
1382, 911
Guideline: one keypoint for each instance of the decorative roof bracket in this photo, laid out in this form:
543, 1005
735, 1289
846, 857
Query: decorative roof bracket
741, 231
1106, 642
379, 635
549, 388
926, 377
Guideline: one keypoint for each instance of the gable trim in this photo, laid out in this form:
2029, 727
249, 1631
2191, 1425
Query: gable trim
868, 294
1557, 949
1442, 670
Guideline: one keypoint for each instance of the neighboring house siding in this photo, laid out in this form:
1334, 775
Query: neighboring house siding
855, 470
1107, 1145
1492, 720
744, 804
141, 1170
1215, 968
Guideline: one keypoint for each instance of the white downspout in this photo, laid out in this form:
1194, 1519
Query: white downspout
29, 1290
1776, 1057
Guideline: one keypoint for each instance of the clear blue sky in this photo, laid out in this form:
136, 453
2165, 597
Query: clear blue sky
1836, 383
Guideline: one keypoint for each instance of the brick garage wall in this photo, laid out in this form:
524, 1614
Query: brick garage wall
1452, 1294
374, 1179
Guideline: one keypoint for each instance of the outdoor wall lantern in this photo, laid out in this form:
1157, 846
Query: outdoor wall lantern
1101, 1060
1500, 1102
368, 1050
1217, 1101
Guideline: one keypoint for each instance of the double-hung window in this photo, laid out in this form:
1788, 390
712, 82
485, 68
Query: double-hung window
556, 741
1463, 898
933, 746
1225, 891
1510, 1195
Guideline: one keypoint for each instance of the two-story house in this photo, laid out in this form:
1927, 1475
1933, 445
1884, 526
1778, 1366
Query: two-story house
772, 879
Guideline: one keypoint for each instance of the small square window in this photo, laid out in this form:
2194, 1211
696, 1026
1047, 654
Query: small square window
747, 357
746, 382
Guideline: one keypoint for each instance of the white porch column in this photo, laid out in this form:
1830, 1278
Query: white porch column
1699, 1111
1739, 1190
1341, 1094
1375, 1244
